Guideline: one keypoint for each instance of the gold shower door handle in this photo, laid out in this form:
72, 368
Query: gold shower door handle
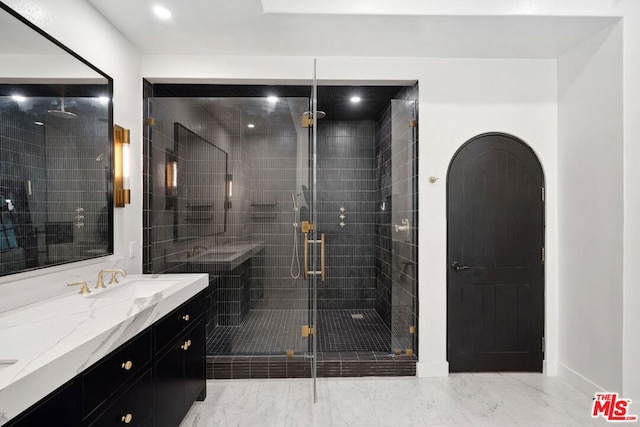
323, 266
306, 256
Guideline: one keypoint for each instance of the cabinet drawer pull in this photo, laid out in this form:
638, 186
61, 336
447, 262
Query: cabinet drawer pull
186, 317
127, 418
127, 365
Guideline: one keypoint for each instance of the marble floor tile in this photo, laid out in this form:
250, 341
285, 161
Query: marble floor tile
479, 400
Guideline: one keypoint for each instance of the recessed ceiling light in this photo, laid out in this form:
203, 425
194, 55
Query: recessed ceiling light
39, 123
162, 12
18, 98
251, 125
355, 99
272, 99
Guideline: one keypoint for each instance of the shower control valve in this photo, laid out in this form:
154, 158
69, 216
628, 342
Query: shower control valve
342, 217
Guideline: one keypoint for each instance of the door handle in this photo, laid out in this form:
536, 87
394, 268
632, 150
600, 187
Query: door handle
323, 254
457, 267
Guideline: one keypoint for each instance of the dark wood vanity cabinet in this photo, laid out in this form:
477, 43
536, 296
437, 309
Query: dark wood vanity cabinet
179, 366
152, 380
133, 406
61, 406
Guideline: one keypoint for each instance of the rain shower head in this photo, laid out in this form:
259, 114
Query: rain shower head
309, 114
61, 113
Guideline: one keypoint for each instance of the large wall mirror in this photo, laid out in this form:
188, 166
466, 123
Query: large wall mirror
201, 201
56, 132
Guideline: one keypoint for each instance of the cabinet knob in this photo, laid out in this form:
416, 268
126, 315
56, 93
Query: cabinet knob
186, 317
127, 365
127, 418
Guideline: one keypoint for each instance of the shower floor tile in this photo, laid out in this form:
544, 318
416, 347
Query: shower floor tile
273, 332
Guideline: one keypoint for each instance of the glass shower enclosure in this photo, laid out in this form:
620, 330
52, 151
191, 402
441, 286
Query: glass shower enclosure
306, 223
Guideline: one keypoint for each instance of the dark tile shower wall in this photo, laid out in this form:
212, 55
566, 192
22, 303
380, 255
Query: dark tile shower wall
368, 267
347, 178
161, 242
272, 159
67, 165
22, 159
77, 180
396, 158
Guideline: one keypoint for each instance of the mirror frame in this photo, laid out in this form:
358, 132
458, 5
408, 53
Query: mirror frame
110, 183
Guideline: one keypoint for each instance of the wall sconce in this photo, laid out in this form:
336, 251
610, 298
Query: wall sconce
122, 166
172, 178
229, 191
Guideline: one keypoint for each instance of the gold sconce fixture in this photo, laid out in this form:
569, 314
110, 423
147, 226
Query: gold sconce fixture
172, 178
122, 167
229, 191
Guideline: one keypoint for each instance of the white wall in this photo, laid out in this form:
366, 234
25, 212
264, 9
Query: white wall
77, 25
590, 201
461, 99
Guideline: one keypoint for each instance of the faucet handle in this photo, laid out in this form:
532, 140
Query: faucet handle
84, 289
114, 278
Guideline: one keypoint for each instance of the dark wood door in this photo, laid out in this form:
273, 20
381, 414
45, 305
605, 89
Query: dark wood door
495, 279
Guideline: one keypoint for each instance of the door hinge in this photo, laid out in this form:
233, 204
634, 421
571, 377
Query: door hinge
306, 331
413, 123
542, 192
543, 344
150, 121
542, 255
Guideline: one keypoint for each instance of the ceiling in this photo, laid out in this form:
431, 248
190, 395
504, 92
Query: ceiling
241, 27
335, 101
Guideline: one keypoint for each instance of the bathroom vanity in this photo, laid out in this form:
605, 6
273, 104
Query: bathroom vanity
133, 353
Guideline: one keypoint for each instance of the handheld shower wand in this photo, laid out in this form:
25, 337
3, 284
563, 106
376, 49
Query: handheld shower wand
295, 256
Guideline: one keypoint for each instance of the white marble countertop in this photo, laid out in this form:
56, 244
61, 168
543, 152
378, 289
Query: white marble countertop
45, 344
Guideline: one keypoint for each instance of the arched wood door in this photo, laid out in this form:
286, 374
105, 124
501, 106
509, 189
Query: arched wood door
495, 279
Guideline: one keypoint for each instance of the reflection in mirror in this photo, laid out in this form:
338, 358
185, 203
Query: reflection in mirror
199, 168
55, 152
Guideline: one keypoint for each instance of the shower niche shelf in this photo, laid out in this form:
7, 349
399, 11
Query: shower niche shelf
263, 216
263, 210
264, 204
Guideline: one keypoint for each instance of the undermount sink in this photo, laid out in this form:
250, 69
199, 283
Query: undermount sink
5, 363
135, 289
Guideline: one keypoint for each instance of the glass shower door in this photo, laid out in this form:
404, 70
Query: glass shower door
316, 244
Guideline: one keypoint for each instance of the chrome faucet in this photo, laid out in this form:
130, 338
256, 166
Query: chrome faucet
195, 251
114, 272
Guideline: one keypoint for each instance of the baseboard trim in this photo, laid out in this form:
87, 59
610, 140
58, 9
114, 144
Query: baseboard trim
432, 369
578, 381
550, 368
